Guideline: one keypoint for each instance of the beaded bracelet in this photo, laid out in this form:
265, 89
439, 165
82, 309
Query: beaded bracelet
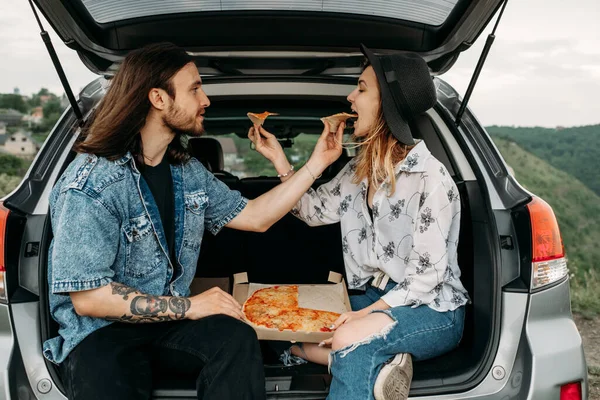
287, 173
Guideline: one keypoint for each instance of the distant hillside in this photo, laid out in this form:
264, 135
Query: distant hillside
577, 209
574, 150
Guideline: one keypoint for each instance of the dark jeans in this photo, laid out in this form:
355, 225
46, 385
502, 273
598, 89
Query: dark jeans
121, 361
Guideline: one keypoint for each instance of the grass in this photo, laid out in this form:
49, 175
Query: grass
8, 183
584, 294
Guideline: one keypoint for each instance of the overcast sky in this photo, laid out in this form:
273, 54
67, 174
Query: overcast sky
543, 69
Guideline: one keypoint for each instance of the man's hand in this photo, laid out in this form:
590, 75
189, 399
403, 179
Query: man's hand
266, 143
214, 301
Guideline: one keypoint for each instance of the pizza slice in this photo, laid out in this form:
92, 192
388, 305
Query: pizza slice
336, 119
259, 119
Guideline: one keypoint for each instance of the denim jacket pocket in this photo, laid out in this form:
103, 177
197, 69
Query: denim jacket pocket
141, 247
195, 205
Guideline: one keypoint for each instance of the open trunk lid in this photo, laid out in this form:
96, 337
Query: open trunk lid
237, 37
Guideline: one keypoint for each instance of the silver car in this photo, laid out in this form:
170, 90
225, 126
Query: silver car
301, 59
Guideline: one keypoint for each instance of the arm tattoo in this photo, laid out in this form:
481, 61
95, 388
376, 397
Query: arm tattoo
148, 305
147, 308
139, 320
179, 305
122, 290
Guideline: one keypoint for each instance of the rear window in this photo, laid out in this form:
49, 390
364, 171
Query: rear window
430, 12
243, 162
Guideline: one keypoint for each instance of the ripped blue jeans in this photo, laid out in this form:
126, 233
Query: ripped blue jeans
421, 331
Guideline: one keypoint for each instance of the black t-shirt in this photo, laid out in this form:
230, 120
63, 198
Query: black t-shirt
160, 182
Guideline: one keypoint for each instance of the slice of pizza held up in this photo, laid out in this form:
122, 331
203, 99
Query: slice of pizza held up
336, 119
259, 119
277, 308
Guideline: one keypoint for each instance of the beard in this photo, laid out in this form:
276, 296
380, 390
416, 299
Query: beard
181, 123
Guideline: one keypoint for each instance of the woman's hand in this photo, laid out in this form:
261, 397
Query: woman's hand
347, 317
328, 148
342, 319
354, 315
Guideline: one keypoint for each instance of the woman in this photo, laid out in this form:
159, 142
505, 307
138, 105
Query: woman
399, 212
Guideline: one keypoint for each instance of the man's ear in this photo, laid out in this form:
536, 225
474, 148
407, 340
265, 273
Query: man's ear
158, 98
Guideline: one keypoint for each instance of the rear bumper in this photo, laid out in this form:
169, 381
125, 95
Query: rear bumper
7, 343
540, 349
554, 342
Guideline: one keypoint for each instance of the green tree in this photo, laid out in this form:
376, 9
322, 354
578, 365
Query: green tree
52, 112
34, 101
13, 101
11, 165
52, 107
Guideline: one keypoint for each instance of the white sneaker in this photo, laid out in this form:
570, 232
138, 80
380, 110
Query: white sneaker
393, 381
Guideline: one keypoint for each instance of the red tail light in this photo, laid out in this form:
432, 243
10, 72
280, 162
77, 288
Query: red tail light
3, 218
547, 242
548, 254
571, 391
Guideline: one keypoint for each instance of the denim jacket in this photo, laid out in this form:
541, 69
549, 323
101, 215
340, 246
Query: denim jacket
107, 228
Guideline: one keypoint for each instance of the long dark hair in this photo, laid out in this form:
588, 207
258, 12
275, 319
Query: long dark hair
115, 125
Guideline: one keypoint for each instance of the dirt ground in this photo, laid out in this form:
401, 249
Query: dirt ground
589, 328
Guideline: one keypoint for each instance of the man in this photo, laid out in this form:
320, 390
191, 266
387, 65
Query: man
128, 216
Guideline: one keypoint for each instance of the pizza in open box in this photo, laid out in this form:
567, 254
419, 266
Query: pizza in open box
277, 308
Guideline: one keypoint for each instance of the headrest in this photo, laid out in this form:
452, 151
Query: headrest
208, 151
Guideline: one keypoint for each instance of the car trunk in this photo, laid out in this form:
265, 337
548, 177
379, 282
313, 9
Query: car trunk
239, 40
292, 252
234, 37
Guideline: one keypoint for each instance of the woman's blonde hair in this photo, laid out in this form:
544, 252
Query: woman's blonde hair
378, 154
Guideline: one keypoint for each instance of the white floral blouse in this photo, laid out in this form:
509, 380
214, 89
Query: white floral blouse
412, 237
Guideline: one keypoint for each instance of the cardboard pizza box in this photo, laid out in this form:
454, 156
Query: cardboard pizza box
332, 296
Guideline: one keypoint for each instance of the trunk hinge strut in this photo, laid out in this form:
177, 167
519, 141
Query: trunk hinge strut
479, 67
58, 66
